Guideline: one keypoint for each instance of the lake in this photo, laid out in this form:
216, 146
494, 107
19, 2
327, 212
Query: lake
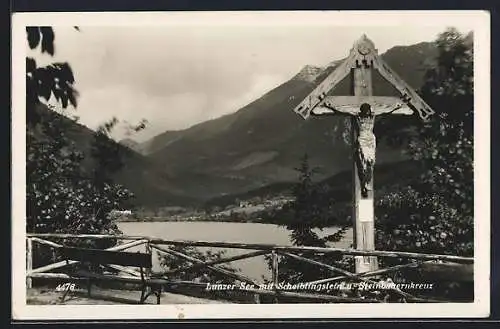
254, 268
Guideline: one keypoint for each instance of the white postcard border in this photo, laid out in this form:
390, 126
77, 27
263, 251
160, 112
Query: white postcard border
481, 305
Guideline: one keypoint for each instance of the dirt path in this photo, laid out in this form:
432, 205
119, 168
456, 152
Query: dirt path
48, 296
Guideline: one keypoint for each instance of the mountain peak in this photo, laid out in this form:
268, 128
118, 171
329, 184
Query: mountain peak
308, 73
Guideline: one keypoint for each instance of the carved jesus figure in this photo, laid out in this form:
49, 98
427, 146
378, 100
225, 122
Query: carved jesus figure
365, 146
365, 141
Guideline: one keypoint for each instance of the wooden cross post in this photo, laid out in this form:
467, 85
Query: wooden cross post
363, 107
362, 210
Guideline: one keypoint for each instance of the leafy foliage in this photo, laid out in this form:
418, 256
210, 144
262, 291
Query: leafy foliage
425, 223
55, 80
435, 213
43, 35
61, 197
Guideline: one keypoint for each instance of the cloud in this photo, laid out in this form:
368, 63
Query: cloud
178, 111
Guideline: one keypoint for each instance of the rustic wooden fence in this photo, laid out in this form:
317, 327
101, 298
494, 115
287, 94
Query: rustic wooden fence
456, 268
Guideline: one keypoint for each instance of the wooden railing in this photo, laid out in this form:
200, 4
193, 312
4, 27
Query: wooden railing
455, 267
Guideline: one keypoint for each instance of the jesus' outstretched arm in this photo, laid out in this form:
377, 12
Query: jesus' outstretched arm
399, 108
325, 109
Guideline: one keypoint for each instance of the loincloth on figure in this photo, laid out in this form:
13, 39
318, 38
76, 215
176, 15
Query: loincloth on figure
365, 146
365, 160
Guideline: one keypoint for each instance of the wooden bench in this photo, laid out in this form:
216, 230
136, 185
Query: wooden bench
105, 257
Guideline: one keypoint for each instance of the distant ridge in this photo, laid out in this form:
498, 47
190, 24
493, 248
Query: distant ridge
142, 176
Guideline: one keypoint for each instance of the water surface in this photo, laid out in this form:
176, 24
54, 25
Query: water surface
225, 232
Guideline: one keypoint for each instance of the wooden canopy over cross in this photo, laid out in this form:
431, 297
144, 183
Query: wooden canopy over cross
363, 107
362, 57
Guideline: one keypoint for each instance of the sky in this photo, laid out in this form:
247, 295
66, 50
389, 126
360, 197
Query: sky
178, 75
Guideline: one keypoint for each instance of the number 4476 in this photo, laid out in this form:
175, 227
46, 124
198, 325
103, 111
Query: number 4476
66, 286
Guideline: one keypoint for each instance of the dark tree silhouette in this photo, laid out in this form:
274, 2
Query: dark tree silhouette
55, 80
61, 196
435, 213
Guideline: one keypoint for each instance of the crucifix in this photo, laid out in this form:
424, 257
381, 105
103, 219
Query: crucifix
363, 108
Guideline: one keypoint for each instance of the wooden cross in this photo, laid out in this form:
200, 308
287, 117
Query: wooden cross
363, 107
